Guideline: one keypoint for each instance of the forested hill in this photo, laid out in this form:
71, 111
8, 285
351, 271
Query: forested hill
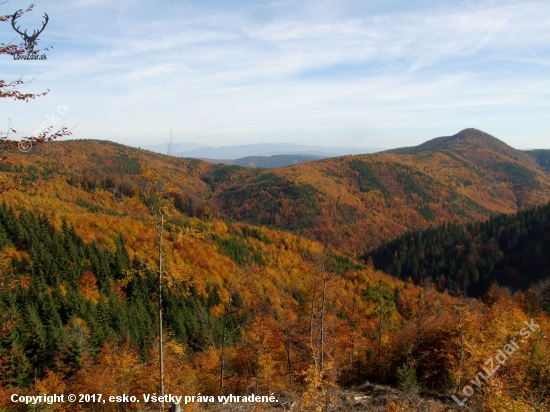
469, 139
72, 298
80, 316
355, 202
352, 203
245, 308
510, 249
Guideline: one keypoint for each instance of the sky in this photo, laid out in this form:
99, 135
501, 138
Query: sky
364, 73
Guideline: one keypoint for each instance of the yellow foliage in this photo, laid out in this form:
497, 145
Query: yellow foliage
88, 286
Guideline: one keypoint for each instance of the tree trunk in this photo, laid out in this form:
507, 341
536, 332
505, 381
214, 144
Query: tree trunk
351, 341
161, 356
288, 348
322, 337
311, 321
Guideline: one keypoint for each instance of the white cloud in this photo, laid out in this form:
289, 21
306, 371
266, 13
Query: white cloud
295, 68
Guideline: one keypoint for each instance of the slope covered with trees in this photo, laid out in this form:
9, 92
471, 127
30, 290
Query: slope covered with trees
246, 308
512, 250
542, 157
353, 203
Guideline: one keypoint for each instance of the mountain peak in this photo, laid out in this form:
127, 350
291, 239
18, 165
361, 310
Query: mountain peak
472, 130
470, 135
474, 136
472, 139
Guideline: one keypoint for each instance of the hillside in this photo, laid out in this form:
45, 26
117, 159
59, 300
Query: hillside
355, 202
246, 308
512, 250
86, 319
542, 157
470, 139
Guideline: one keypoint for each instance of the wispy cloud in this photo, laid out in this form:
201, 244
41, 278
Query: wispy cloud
242, 71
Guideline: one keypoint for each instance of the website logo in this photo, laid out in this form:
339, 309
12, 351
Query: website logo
30, 40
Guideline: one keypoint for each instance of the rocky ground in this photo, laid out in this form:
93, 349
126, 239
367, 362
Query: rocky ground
367, 397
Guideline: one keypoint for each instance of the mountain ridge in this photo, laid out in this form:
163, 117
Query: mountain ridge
268, 161
362, 200
262, 149
351, 202
469, 136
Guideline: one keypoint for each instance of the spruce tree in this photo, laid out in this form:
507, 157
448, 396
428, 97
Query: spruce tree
406, 379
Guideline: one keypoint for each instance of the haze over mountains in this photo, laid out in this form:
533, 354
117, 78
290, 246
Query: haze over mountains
194, 150
280, 160
542, 156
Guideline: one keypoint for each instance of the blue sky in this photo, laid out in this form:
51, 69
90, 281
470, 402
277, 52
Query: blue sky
356, 73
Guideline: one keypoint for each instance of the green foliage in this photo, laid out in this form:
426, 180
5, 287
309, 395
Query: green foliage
74, 348
427, 212
262, 199
4, 238
47, 335
220, 174
383, 295
465, 207
367, 178
405, 175
184, 203
406, 379
542, 157
342, 264
93, 208
513, 250
128, 165
248, 231
516, 173
239, 250
224, 172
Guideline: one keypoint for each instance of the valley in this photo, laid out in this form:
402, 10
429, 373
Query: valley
303, 280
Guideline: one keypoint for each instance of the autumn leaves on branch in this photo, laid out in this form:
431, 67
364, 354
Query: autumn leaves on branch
11, 142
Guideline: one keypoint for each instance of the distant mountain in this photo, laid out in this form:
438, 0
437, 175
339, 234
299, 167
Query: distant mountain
268, 161
176, 147
268, 149
542, 157
352, 202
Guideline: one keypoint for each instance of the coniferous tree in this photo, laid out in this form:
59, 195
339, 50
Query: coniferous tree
407, 380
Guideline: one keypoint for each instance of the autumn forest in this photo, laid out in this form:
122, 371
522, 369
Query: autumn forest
410, 279
367, 282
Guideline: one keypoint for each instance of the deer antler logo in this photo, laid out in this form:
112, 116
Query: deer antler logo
29, 40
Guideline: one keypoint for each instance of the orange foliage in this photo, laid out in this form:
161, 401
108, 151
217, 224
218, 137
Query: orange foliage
88, 286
